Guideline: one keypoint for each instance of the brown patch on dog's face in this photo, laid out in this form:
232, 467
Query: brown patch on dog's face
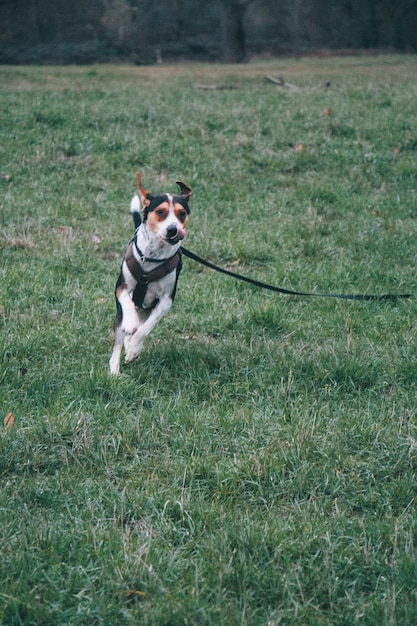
158, 215
180, 213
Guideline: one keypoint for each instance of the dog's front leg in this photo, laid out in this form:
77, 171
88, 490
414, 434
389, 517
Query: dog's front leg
135, 342
130, 320
126, 322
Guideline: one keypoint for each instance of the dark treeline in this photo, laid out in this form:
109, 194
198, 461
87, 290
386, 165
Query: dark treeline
149, 31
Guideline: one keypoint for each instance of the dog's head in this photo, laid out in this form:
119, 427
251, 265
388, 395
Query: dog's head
166, 214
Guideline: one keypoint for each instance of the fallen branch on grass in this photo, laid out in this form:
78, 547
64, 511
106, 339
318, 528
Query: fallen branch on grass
213, 87
281, 82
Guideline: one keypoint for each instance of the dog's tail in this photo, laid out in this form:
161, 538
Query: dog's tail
135, 211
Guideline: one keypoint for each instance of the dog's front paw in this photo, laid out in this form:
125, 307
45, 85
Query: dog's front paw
130, 356
130, 325
129, 330
132, 350
114, 369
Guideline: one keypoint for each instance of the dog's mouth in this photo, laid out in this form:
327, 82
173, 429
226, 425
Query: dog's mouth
174, 234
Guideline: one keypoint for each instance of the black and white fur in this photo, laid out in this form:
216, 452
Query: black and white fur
157, 237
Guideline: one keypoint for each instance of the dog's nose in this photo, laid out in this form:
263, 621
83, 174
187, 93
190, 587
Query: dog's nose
171, 231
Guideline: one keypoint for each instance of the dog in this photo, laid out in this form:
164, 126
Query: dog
150, 269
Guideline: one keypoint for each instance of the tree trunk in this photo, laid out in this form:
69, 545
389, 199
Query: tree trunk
233, 35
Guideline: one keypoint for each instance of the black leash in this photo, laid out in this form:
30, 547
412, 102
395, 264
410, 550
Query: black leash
290, 292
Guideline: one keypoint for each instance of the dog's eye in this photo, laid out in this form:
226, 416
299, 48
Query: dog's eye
159, 211
182, 215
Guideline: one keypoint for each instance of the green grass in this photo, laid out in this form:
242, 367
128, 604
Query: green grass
257, 464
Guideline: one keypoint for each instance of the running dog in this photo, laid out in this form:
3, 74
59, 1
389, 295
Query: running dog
149, 273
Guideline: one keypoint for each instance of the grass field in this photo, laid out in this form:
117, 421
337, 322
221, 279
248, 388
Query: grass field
257, 465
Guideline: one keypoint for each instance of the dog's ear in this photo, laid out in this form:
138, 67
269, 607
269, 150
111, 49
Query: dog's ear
143, 194
186, 191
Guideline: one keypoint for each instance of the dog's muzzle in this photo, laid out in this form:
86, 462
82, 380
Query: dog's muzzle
174, 234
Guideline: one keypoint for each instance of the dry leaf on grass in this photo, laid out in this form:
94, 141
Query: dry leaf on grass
299, 147
8, 421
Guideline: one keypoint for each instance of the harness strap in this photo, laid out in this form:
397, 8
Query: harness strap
142, 256
144, 278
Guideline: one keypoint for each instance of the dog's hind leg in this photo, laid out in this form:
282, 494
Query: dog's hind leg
118, 342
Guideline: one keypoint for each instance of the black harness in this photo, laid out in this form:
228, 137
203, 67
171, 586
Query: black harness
165, 267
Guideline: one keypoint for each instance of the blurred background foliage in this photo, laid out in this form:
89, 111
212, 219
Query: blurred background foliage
155, 31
